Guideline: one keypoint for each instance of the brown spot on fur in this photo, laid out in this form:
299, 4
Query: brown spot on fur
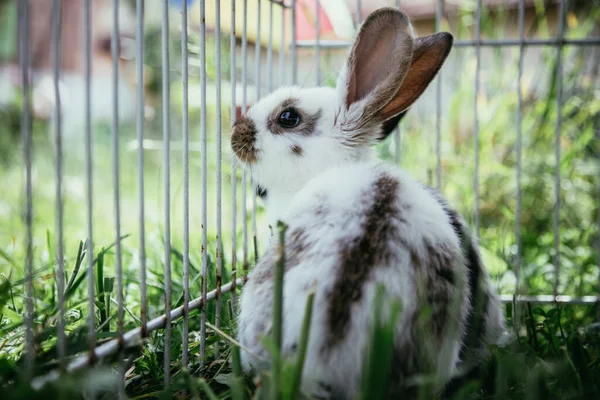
475, 323
440, 260
307, 124
297, 150
359, 256
404, 363
295, 246
242, 140
321, 210
435, 283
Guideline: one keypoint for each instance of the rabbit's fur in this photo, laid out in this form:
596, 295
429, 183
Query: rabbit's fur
355, 223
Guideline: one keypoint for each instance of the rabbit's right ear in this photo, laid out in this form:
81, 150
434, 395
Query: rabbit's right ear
386, 71
377, 64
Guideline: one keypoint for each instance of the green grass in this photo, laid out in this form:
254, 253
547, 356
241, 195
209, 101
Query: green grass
554, 356
556, 353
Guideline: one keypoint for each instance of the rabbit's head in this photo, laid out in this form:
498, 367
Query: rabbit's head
294, 133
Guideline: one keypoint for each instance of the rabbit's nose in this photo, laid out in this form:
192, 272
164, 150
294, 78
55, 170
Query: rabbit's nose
243, 139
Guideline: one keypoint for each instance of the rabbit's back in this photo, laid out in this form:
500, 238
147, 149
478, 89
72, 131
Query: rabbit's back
351, 229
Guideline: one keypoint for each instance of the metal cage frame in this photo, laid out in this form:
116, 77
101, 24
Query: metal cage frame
129, 338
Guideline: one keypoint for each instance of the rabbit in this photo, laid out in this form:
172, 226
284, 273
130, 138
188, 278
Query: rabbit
355, 223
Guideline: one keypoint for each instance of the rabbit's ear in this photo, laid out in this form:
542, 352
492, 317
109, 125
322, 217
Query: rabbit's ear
429, 54
376, 66
387, 70
389, 125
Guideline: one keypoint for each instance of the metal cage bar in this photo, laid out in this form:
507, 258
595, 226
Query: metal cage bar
294, 45
139, 62
166, 122
204, 166
115, 51
24, 55
519, 142
186, 183
438, 106
317, 47
559, 90
233, 114
476, 113
397, 129
270, 50
58, 148
257, 83
89, 182
282, 80
219, 171
244, 109
591, 41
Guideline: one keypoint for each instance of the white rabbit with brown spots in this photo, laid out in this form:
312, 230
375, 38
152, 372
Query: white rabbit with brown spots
355, 222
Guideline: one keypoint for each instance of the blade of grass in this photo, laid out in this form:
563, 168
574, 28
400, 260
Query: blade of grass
109, 283
230, 339
207, 390
238, 388
81, 277
4, 255
376, 369
132, 315
303, 345
76, 267
52, 261
531, 327
179, 256
100, 289
278, 312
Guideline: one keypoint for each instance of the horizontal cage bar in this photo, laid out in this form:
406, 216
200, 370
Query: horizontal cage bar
593, 41
131, 337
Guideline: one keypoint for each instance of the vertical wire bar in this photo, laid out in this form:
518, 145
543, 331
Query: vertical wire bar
26, 138
397, 128
559, 90
318, 43
257, 49
294, 46
60, 273
219, 162
282, 49
186, 183
521, 23
115, 47
88, 172
204, 176
476, 115
358, 12
232, 50
597, 129
270, 49
244, 108
166, 121
139, 62
438, 107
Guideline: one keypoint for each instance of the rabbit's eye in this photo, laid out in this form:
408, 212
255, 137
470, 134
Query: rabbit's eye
289, 118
